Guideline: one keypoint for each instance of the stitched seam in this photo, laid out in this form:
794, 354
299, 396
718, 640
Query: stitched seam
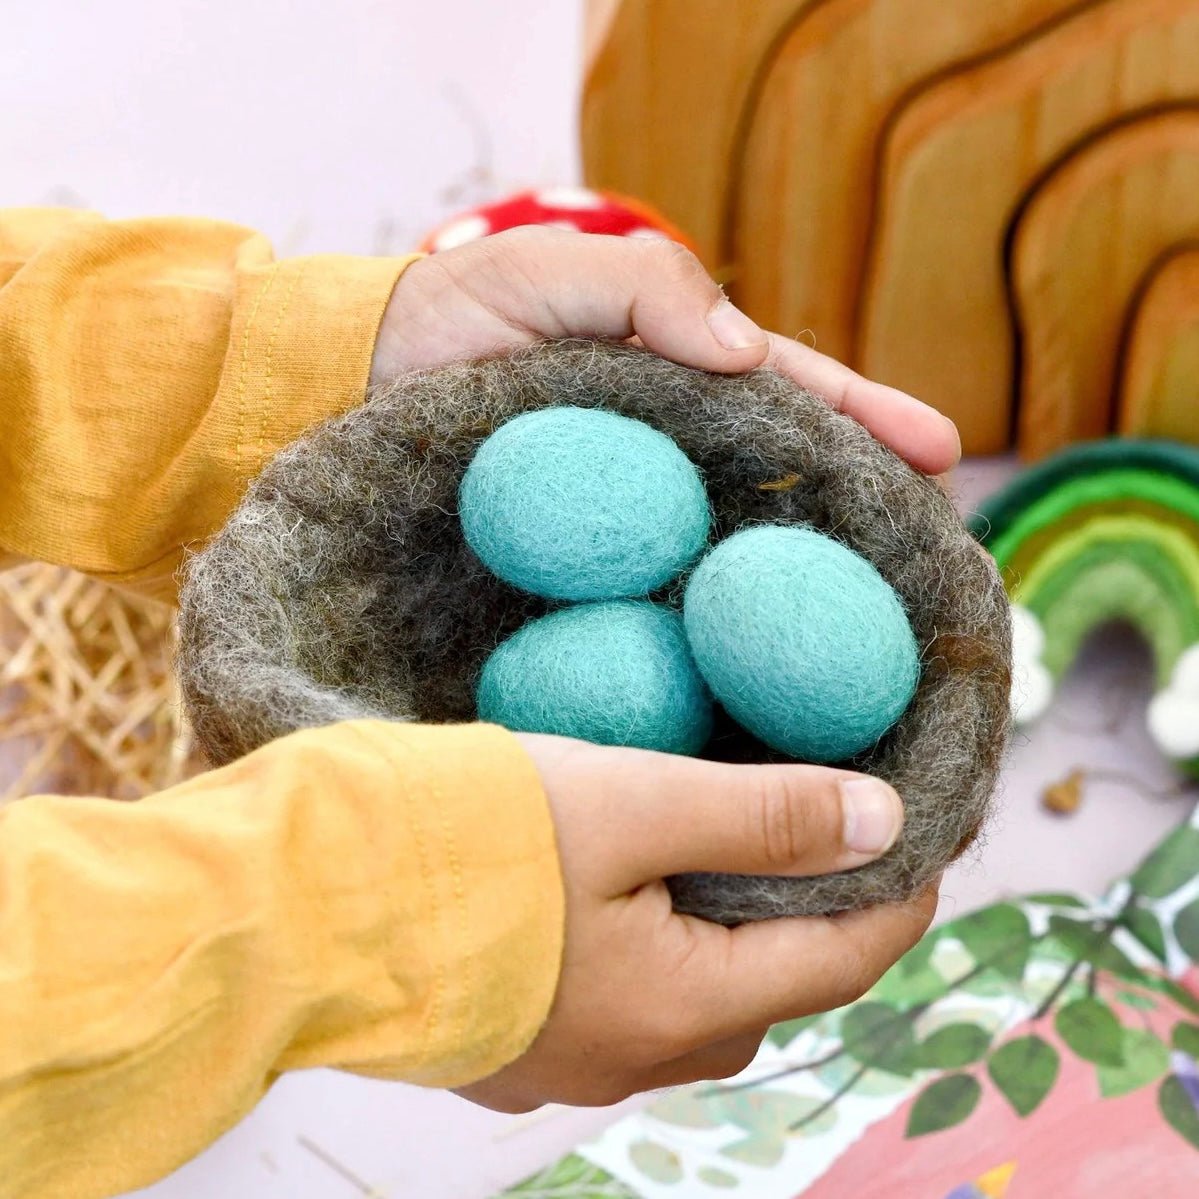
437, 997
455, 863
243, 373
270, 364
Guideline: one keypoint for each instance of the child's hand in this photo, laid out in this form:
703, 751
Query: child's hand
648, 998
533, 283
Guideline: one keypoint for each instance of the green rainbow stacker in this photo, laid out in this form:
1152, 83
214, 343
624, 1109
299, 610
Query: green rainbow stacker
1104, 531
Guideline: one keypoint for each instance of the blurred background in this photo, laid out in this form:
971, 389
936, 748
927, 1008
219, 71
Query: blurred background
352, 129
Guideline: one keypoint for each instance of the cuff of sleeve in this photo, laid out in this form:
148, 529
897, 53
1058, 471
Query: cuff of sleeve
301, 346
494, 894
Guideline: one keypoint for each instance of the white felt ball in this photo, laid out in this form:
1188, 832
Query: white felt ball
1173, 715
1032, 684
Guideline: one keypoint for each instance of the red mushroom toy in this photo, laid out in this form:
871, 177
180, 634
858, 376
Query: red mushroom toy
577, 208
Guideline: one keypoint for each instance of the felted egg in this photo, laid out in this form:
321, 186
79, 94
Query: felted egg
614, 673
342, 587
578, 504
802, 641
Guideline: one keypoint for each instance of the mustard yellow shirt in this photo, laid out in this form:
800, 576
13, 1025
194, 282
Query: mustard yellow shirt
348, 896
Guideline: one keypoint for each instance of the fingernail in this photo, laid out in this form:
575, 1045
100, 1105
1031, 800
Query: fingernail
733, 329
873, 816
957, 436
950, 427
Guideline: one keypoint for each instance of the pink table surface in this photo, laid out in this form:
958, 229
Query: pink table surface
321, 1135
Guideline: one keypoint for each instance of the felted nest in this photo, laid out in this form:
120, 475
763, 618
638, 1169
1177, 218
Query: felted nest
341, 588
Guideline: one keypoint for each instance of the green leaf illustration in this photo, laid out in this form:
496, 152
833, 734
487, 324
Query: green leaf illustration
1146, 1059
816, 1116
688, 1107
656, 1161
944, 1103
882, 1082
906, 991
1186, 927
953, 960
988, 1017
912, 979
764, 1112
572, 1178
1092, 945
1024, 1070
1178, 1109
1050, 950
1056, 899
999, 935
990, 985
1131, 999
783, 1034
877, 1034
1174, 862
717, 1178
1091, 1029
918, 957
845, 1072
1179, 994
1147, 929
756, 1151
1078, 936
1186, 1039
953, 1046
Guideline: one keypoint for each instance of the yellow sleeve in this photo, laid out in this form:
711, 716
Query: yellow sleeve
373, 897
381, 898
149, 370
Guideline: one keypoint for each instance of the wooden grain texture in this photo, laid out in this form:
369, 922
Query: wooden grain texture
1080, 246
663, 99
805, 187
1159, 380
957, 160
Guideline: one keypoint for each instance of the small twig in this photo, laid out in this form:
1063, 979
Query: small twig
1056, 993
843, 1090
1064, 797
337, 1167
909, 1017
1134, 783
801, 1068
1101, 936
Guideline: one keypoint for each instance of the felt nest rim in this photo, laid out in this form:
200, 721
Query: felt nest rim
341, 587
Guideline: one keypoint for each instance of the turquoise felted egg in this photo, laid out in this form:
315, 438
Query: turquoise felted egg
801, 640
614, 673
581, 504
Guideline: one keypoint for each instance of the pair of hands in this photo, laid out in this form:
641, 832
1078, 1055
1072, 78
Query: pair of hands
647, 998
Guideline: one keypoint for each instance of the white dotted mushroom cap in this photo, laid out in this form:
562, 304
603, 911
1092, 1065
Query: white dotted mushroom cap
459, 232
1032, 684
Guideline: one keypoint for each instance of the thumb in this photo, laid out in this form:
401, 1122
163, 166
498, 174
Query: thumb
619, 287
679, 815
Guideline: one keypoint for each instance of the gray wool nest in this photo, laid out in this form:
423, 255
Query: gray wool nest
341, 588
